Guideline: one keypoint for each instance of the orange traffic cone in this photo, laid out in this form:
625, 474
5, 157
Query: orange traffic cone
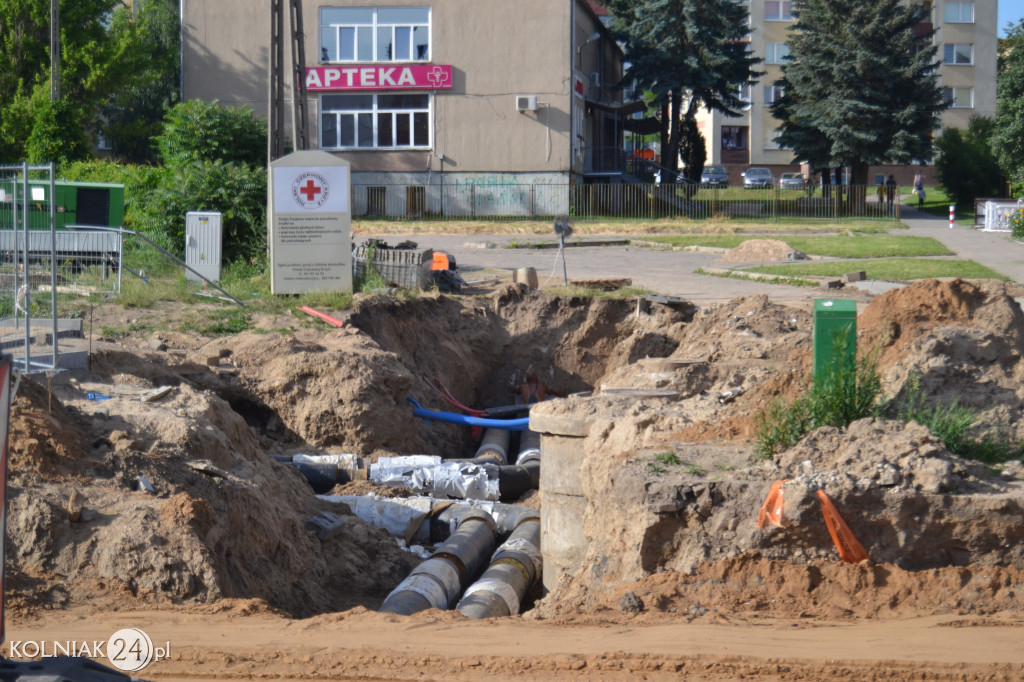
771, 510
850, 550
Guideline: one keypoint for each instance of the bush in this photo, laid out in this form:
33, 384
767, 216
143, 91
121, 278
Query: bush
196, 131
1016, 220
845, 393
57, 134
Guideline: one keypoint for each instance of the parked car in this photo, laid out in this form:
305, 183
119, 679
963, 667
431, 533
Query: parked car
792, 181
758, 178
714, 176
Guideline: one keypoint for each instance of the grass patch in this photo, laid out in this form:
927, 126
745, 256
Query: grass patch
787, 281
844, 393
953, 423
834, 246
668, 458
588, 292
887, 269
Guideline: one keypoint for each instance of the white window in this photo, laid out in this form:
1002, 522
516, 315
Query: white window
366, 34
958, 53
959, 98
374, 121
959, 12
775, 53
778, 10
772, 93
744, 94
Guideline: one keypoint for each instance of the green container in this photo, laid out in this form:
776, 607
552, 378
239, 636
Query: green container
835, 335
89, 204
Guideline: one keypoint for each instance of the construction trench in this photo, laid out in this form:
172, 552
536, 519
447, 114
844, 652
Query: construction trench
293, 468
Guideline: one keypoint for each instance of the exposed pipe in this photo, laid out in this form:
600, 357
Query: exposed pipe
514, 568
495, 441
438, 581
529, 446
454, 418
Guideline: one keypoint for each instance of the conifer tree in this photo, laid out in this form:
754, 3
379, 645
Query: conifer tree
860, 87
1008, 137
689, 53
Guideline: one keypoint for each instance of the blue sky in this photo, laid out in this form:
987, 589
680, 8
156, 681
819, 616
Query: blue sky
1009, 10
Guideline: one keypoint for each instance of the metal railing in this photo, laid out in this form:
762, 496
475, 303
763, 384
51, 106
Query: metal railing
504, 201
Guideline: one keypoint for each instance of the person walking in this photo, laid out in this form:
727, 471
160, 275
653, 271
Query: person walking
890, 191
919, 188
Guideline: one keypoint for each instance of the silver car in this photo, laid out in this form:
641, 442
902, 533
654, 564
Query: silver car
758, 178
792, 181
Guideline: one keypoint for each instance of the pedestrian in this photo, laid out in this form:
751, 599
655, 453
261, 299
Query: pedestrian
890, 191
919, 188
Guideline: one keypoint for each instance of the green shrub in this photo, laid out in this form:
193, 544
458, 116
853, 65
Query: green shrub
1016, 220
844, 393
206, 131
57, 134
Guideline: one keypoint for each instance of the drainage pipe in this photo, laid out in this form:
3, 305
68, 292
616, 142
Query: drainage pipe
514, 568
437, 582
494, 442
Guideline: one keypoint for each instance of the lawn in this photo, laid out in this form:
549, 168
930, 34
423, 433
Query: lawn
887, 269
937, 202
835, 246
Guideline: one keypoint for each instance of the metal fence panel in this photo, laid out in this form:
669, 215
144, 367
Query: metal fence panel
506, 201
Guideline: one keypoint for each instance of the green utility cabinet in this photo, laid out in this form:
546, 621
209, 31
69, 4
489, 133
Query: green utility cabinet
835, 335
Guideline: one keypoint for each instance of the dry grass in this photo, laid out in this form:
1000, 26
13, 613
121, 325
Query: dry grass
718, 225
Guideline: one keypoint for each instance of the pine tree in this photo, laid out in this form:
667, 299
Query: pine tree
689, 53
1008, 138
861, 86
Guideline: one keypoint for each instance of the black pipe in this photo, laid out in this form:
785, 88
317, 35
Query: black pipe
438, 581
514, 568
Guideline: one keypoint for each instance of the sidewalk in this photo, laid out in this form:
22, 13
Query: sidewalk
996, 250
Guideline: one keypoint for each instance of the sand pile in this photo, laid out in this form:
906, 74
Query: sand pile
758, 251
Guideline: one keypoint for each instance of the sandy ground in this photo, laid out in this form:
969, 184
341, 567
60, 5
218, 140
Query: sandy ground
357, 645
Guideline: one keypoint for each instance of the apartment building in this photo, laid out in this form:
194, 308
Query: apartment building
965, 33
433, 92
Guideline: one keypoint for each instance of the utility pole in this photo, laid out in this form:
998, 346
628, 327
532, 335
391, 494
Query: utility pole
300, 135
54, 50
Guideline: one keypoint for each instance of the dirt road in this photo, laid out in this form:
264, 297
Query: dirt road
226, 642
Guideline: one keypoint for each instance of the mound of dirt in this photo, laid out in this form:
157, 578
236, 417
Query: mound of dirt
753, 585
222, 520
758, 251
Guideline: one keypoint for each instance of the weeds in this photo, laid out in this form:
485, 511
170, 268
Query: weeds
668, 458
952, 424
843, 394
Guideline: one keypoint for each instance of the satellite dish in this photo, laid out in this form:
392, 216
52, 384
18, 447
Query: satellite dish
562, 227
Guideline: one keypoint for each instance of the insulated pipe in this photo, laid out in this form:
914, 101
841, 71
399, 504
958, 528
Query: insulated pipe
438, 581
529, 446
514, 568
495, 441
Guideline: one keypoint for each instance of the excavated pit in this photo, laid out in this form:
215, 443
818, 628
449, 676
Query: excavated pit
225, 520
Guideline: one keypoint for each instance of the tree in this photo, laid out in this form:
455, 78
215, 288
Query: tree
1008, 138
96, 60
689, 53
861, 86
198, 131
967, 168
134, 115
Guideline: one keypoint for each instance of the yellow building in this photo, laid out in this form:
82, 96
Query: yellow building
965, 33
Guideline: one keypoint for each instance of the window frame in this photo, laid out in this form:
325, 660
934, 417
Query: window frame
772, 93
960, 5
774, 57
949, 96
376, 112
951, 48
372, 31
785, 11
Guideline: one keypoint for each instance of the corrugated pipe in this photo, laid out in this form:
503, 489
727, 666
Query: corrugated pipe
514, 568
438, 581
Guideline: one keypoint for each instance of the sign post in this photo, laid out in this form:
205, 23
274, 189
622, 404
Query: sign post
310, 223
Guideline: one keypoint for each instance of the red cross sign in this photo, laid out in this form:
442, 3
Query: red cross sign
310, 190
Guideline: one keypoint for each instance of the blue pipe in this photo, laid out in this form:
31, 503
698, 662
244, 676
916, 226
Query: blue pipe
454, 418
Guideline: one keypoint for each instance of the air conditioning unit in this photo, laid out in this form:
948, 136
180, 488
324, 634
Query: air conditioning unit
594, 79
526, 102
